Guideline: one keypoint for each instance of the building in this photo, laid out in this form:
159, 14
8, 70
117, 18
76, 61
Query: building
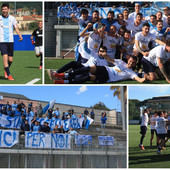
158, 103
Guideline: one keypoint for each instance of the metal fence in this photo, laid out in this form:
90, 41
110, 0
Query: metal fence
78, 156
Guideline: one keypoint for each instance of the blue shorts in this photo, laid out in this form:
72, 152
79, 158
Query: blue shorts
7, 48
148, 67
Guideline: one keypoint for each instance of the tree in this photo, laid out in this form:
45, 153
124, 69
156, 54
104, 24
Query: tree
121, 93
134, 109
100, 106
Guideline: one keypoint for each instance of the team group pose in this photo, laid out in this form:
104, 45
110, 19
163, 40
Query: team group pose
104, 54
159, 125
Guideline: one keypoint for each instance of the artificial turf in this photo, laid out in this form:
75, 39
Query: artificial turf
25, 68
147, 158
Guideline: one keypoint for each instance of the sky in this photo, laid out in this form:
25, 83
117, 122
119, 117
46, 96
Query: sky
73, 95
146, 92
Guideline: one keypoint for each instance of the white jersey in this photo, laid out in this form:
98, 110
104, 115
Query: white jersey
6, 28
161, 123
81, 50
132, 16
117, 25
95, 60
168, 118
94, 42
153, 122
158, 52
145, 119
111, 42
135, 29
120, 72
144, 40
128, 49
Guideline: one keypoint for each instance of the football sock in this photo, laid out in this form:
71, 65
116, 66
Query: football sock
80, 71
141, 140
9, 63
74, 65
79, 80
40, 59
7, 70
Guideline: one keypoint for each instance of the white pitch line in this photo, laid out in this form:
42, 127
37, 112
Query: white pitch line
33, 81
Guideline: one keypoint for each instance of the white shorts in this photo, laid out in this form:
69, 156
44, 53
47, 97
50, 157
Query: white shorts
38, 50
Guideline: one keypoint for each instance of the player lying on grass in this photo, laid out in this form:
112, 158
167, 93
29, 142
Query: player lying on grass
100, 74
7, 23
158, 61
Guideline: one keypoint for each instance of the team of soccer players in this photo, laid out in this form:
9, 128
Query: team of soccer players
160, 125
123, 37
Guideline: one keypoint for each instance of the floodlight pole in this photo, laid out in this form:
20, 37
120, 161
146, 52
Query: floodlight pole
123, 111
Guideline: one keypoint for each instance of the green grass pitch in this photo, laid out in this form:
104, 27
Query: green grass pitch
24, 68
57, 63
147, 158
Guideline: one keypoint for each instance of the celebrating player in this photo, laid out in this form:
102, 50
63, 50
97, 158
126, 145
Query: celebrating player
7, 23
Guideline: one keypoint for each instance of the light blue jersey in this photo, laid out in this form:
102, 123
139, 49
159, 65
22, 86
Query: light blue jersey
6, 28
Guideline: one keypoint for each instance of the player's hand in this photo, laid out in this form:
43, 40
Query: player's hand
89, 25
32, 41
20, 39
168, 30
72, 15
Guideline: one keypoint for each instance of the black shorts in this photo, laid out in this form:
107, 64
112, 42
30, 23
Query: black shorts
148, 67
152, 132
101, 74
162, 136
7, 48
143, 130
168, 133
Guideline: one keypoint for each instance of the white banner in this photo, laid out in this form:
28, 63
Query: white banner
15, 122
8, 138
9, 122
44, 140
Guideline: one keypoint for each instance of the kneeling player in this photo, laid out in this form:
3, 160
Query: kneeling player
158, 59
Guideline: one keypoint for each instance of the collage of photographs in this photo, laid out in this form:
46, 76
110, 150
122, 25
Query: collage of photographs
85, 84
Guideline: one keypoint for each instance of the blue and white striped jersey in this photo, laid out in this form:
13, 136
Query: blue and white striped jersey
6, 28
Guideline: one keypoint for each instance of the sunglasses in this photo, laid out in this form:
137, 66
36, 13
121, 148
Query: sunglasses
102, 51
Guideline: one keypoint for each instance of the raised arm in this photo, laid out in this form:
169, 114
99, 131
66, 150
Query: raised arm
74, 18
160, 42
83, 33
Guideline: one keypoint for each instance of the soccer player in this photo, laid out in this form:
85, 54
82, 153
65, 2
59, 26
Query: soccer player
37, 33
102, 74
159, 57
143, 127
111, 40
159, 32
161, 131
137, 25
153, 125
108, 21
152, 22
7, 23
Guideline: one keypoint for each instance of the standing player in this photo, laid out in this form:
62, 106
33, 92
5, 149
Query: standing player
161, 131
143, 127
37, 33
7, 23
153, 126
